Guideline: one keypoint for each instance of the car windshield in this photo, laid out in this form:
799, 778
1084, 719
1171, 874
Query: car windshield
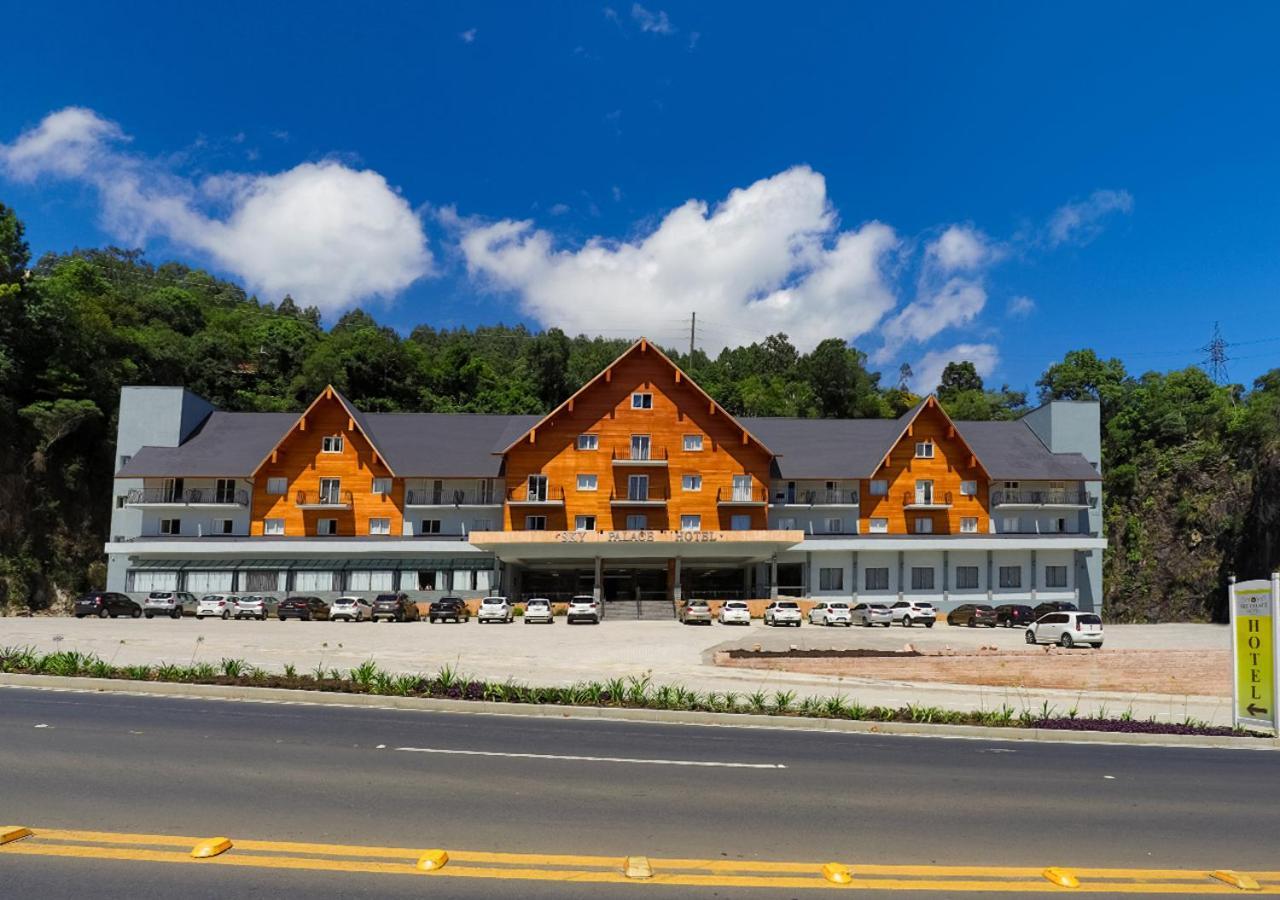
494, 601
697, 602
878, 606
212, 598
1090, 620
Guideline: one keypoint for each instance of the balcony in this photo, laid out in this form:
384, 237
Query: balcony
754, 496
655, 496
192, 497
1063, 499
322, 499
931, 500
523, 495
817, 497
452, 498
640, 458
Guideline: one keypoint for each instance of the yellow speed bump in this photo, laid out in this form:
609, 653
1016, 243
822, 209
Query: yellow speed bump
13, 833
1061, 877
837, 873
637, 867
210, 847
1237, 879
431, 860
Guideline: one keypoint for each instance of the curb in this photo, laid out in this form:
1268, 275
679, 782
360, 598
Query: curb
622, 714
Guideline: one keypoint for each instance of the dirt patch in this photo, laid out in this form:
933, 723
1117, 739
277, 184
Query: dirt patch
1194, 672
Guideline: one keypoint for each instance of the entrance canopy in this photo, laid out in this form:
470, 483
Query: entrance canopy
530, 546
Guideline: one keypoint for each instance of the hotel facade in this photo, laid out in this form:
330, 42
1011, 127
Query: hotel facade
639, 489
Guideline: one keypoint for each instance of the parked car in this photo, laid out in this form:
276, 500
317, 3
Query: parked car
538, 609
1066, 629
223, 605
913, 612
255, 606
972, 614
871, 614
782, 612
1050, 606
1011, 615
395, 608
830, 612
496, 609
168, 603
106, 603
585, 608
304, 608
695, 611
448, 609
350, 609
735, 612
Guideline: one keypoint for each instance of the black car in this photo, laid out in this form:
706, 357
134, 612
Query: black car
395, 608
304, 608
1013, 615
972, 614
106, 603
1053, 606
448, 609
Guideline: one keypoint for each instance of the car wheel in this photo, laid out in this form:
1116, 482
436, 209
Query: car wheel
1066, 641
1029, 636
176, 614
79, 615
225, 615
906, 621
148, 615
135, 613
1097, 646
104, 612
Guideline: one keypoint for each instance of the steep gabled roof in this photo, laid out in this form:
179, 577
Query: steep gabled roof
640, 346
908, 419
355, 415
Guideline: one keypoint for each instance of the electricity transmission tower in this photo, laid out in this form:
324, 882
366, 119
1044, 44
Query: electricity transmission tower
1216, 356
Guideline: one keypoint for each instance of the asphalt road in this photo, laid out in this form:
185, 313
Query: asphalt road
286, 772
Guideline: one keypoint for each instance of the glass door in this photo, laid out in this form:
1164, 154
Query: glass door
537, 489
638, 487
741, 488
639, 446
924, 493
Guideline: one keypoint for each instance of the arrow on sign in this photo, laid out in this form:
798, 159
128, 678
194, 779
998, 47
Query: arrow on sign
1254, 710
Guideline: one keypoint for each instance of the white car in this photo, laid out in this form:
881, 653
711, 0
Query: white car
350, 609
735, 612
223, 605
584, 608
870, 614
830, 612
168, 603
782, 612
255, 607
913, 612
538, 610
495, 609
1066, 629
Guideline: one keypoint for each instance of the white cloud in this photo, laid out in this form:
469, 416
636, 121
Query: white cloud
928, 372
961, 248
559, 209
468, 36
769, 258
655, 22
1020, 307
326, 233
1081, 221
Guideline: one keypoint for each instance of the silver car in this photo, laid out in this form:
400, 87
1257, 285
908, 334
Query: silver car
173, 604
255, 606
538, 609
585, 609
869, 614
695, 611
350, 609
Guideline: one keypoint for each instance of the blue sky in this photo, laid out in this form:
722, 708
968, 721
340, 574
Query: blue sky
1002, 182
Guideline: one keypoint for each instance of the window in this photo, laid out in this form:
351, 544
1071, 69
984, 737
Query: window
587, 482
224, 490
588, 442
740, 523
969, 525
966, 578
171, 526
481, 524
876, 579
642, 401
535, 523
205, 582
124, 460
1011, 576
326, 526
429, 526
330, 490
835, 526
691, 523
332, 443
639, 446
1055, 576
831, 579
223, 526
1011, 485
692, 443
924, 450
584, 523
305, 582
787, 523
742, 488
1058, 525
691, 482
536, 489
277, 486
879, 487
273, 526
260, 580
879, 526
968, 488
120, 501
921, 578
637, 523
379, 526
638, 487
924, 525
1009, 523
924, 493
1057, 485
382, 486
369, 581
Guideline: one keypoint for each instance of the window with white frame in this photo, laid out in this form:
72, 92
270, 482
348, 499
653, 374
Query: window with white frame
969, 525
332, 443
331, 490
588, 442
835, 526
642, 400
879, 487
879, 526
691, 482
924, 449
1057, 485
224, 490
691, 523
831, 579
369, 581
318, 580
584, 523
277, 486
1011, 576
224, 526
482, 524
429, 526
787, 523
637, 522
139, 580
171, 526
535, 523
587, 482
326, 526
1009, 524
379, 526
966, 578
273, 526
740, 523
381, 486
1011, 485
692, 443
1055, 576
124, 460
876, 578
924, 525
968, 488
639, 446
208, 581
922, 578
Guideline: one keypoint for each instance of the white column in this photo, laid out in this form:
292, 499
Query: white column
676, 589
597, 590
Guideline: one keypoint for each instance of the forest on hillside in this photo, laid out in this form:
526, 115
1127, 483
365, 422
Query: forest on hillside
1191, 468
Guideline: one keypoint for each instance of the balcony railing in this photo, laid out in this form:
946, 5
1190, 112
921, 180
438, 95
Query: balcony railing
934, 499
754, 496
654, 495
817, 497
645, 458
452, 498
1043, 498
323, 499
522, 494
190, 497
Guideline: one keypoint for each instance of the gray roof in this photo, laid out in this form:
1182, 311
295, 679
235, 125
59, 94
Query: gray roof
1011, 450
227, 444
825, 448
459, 445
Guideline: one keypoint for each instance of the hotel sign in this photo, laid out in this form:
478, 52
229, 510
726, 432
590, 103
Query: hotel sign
638, 537
1255, 623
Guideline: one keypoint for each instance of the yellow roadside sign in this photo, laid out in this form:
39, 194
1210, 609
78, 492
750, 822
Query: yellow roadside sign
1253, 639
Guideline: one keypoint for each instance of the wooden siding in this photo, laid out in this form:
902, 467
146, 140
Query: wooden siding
952, 463
300, 459
605, 410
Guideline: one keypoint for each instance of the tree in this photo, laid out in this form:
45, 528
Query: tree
1083, 376
839, 381
957, 378
14, 252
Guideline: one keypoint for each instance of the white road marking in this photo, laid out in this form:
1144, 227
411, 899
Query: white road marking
42, 725
605, 759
